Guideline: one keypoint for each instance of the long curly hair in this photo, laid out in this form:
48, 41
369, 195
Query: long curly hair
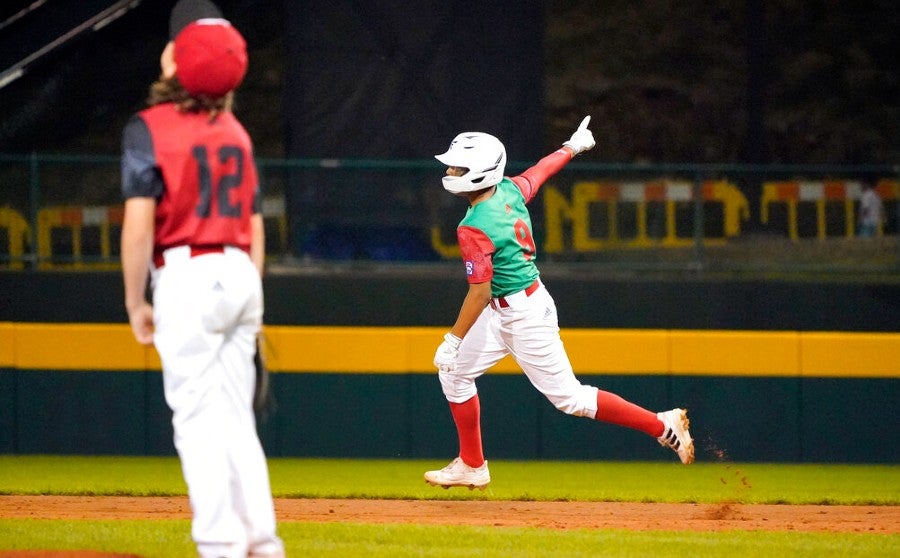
171, 91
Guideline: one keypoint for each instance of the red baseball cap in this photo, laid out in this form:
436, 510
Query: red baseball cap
210, 57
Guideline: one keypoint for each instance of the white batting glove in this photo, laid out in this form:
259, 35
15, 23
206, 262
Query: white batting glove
582, 139
447, 353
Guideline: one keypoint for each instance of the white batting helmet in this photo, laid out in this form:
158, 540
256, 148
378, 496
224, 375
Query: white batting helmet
484, 156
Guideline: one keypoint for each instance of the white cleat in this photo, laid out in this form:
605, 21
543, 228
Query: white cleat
676, 434
457, 473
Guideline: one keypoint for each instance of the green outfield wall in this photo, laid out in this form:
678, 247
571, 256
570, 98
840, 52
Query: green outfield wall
744, 418
353, 377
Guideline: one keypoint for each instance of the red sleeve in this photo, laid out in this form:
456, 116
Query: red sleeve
476, 250
530, 181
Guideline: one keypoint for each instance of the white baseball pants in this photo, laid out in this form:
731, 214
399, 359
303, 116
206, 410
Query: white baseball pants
207, 313
528, 329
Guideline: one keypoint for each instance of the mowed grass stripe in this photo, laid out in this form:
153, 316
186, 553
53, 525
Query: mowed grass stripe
751, 483
171, 539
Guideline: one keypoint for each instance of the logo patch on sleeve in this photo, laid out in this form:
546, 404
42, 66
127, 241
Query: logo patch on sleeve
470, 268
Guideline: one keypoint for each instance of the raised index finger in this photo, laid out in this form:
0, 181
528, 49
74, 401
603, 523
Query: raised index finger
584, 123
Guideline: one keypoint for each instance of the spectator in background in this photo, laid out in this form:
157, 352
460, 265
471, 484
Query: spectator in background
871, 212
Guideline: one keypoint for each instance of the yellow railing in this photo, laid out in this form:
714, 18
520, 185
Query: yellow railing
107, 220
820, 192
75, 219
45, 222
17, 231
574, 211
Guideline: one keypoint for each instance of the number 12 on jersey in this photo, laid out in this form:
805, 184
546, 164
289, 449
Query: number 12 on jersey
227, 181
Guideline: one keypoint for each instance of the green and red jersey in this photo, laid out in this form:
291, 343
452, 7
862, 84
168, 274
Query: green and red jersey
495, 235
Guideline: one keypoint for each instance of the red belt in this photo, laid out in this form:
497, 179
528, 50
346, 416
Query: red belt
528, 291
159, 258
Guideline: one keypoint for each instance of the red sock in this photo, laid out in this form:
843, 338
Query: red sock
614, 409
467, 417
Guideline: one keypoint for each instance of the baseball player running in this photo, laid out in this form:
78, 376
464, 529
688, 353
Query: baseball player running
192, 221
507, 309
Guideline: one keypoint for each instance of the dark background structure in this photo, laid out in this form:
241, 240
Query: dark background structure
693, 81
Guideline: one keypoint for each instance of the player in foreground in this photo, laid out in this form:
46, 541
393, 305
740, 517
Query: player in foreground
192, 221
507, 310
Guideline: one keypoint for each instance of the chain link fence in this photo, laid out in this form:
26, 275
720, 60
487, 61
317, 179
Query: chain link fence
65, 212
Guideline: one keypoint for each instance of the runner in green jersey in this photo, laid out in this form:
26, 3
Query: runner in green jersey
507, 310
504, 219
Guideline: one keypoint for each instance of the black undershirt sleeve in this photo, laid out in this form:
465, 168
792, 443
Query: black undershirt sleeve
141, 177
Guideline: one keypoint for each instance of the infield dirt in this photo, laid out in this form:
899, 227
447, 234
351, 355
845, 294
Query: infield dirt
551, 515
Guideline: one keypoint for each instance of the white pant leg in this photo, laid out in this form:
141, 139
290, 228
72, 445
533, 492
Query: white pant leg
481, 348
531, 331
208, 311
251, 491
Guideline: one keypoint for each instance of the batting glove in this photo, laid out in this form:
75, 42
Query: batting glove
582, 139
447, 353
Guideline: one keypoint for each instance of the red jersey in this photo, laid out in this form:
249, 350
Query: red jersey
200, 171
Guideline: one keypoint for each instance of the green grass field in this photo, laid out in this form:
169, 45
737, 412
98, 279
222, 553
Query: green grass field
513, 480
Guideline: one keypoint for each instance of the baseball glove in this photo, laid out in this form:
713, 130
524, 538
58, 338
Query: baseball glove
263, 399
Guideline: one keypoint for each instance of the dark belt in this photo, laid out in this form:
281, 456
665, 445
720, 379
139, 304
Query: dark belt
528, 292
159, 259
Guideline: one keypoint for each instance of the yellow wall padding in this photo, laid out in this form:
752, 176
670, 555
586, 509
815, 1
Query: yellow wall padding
79, 347
7, 345
854, 354
770, 353
374, 350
